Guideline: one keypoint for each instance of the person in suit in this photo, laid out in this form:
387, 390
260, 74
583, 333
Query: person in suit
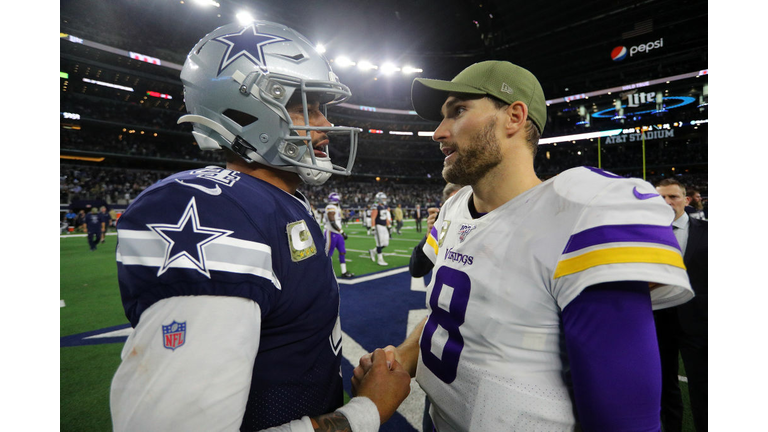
683, 329
418, 216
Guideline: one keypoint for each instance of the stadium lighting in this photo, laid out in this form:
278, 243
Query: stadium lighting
344, 62
366, 65
410, 69
105, 84
206, 3
320, 48
389, 69
244, 17
426, 134
400, 133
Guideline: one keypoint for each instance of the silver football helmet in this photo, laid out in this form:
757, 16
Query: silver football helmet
381, 198
238, 80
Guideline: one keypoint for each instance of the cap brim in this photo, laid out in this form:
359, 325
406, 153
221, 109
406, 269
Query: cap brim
428, 96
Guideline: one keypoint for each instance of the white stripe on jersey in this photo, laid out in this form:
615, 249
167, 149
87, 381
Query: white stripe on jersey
146, 248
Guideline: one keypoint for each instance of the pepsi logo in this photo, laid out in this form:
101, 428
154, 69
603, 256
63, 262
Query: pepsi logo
619, 53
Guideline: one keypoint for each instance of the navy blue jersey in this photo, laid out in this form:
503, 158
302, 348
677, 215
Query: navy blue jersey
106, 218
93, 222
217, 232
382, 214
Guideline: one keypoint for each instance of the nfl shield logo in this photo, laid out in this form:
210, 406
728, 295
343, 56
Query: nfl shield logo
174, 335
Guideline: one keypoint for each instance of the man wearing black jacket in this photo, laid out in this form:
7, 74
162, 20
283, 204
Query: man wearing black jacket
420, 265
683, 329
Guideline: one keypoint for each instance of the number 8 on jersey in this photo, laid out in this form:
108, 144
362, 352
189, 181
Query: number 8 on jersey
448, 302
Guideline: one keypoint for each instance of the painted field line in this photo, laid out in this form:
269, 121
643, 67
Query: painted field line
365, 253
374, 276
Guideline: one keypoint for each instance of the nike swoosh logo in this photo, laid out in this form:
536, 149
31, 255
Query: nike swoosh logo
210, 191
643, 196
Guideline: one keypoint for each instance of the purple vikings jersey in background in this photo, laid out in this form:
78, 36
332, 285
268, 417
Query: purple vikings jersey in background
217, 232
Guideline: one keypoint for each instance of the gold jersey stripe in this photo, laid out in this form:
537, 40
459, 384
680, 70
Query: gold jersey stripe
618, 255
432, 242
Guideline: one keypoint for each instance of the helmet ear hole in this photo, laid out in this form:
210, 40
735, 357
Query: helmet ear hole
239, 117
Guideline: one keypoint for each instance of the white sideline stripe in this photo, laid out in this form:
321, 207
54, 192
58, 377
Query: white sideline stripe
417, 284
82, 235
62, 304
117, 333
365, 253
373, 276
390, 238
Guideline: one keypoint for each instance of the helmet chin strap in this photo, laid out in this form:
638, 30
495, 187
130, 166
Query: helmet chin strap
244, 149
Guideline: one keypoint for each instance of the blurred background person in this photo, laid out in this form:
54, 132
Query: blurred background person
682, 330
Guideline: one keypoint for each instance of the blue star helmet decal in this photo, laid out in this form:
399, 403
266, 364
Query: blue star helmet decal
248, 43
186, 240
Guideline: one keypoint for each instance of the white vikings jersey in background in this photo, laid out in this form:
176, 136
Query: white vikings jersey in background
491, 354
336, 218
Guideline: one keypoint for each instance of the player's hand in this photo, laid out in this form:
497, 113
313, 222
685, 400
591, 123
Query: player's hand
432, 218
382, 379
344, 235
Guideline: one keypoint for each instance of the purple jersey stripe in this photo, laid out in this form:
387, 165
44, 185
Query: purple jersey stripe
603, 172
622, 233
433, 233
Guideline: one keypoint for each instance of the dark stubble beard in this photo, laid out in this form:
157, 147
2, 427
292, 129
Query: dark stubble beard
473, 160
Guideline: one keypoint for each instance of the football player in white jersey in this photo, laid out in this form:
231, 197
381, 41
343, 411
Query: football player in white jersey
334, 235
235, 308
381, 221
367, 218
540, 307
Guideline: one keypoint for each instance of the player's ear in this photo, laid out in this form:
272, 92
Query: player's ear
515, 116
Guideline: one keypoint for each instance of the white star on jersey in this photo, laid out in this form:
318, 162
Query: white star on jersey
174, 235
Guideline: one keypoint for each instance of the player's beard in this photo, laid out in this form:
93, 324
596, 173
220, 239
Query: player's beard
473, 160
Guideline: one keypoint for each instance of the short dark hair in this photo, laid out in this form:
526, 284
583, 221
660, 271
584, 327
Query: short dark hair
532, 133
670, 182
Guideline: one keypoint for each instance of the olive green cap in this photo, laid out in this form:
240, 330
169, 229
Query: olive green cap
500, 79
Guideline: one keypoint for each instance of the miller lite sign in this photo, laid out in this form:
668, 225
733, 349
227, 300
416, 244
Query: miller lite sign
174, 335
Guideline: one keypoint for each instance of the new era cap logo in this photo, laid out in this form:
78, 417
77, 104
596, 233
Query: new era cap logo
505, 88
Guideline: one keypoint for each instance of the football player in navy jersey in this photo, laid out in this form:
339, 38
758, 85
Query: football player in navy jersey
94, 226
222, 271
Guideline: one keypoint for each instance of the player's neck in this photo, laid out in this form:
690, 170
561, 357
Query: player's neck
503, 183
284, 180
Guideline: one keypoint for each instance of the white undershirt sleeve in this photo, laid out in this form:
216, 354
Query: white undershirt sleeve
200, 384
203, 383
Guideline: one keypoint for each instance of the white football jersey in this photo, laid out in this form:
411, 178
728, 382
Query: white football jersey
492, 352
336, 218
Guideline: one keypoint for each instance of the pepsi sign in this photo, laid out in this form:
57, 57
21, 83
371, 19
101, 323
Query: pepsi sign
620, 52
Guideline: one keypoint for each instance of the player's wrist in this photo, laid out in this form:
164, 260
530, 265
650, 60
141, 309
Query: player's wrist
362, 414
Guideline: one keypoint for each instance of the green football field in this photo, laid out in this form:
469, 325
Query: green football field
91, 301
